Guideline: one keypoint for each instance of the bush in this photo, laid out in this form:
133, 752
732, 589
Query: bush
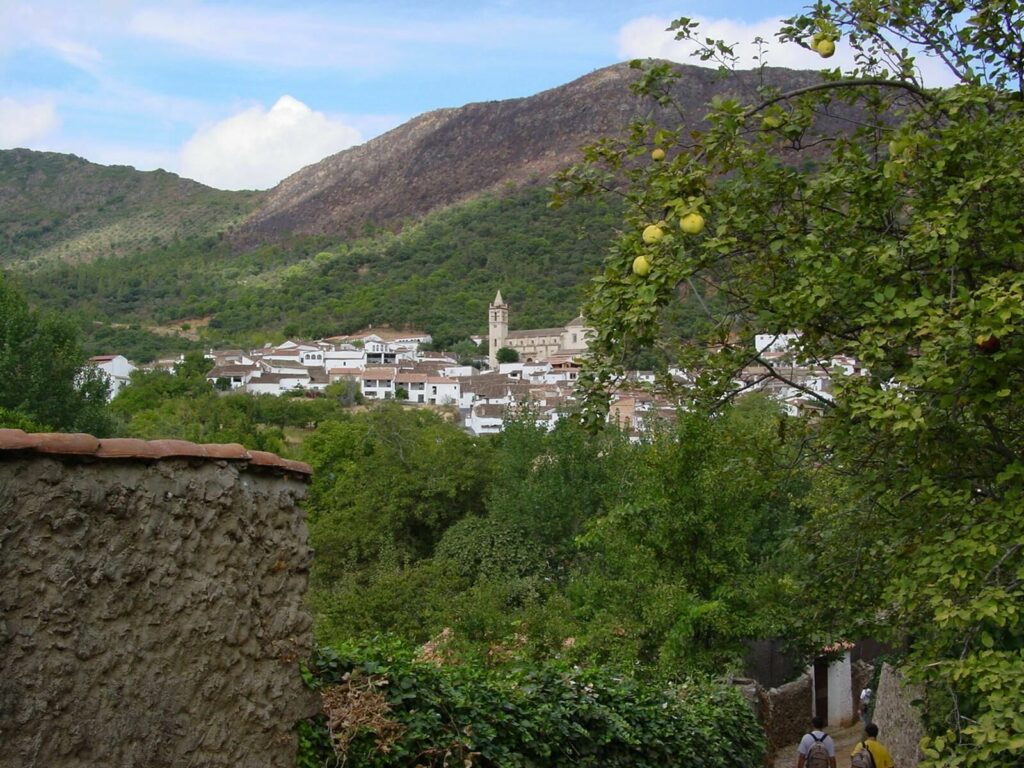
383, 707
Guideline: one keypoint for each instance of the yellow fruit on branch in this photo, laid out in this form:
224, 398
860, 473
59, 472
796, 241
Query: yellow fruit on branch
658, 154
641, 266
652, 234
825, 48
692, 224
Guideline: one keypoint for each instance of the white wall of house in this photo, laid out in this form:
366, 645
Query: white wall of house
443, 391
117, 369
351, 359
773, 342
416, 390
840, 691
478, 424
405, 353
458, 371
515, 370
378, 388
256, 387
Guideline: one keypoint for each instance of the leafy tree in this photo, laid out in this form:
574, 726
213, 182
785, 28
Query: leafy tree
506, 355
47, 380
346, 391
206, 418
891, 235
388, 483
469, 352
147, 390
676, 566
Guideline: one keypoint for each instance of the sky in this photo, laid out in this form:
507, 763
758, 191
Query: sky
239, 95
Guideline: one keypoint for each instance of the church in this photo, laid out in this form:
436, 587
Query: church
536, 344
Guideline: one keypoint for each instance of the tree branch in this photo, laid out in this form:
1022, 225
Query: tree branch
855, 83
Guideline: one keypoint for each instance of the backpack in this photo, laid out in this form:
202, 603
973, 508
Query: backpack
817, 755
862, 758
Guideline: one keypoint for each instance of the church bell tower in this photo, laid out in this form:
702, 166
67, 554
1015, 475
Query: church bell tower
497, 327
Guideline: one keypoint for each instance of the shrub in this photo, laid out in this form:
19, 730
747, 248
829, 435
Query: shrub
383, 707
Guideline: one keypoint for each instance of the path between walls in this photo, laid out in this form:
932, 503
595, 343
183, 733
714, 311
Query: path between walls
844, 738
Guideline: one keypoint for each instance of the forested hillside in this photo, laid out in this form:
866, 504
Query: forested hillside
55, 206
438, 274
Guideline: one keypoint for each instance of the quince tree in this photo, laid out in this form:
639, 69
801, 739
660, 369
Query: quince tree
880, 219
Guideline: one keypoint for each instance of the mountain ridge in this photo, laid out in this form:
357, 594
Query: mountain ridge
64, 207
449, 155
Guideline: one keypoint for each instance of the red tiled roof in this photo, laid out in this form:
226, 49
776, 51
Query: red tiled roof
15, 441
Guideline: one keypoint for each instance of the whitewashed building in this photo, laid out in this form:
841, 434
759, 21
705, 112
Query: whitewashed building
116, 368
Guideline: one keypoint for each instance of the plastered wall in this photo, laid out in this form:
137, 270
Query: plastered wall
151, 606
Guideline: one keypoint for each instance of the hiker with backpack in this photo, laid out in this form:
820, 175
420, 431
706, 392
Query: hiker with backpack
816, 750
869, 752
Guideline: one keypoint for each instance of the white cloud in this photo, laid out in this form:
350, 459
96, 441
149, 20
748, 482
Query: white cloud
256, 148
647, 37
22, 123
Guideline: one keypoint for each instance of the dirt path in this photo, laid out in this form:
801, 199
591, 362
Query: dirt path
844, 738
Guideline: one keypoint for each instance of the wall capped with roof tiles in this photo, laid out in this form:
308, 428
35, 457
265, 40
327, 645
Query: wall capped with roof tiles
151, 603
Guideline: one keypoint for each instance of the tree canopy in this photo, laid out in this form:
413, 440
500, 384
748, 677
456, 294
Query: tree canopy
47, 382
879, 219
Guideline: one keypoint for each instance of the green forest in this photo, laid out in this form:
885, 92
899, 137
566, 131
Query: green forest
438, 275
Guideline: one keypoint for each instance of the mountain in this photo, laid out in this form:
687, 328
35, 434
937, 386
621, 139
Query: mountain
61, 207
450, 155
419, 226
438, 274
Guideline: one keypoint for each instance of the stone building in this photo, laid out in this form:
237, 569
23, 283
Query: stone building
535, 344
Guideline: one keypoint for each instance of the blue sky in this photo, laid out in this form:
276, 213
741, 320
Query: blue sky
241, 94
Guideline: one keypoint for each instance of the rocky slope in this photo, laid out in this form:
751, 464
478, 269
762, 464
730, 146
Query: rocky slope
450, 155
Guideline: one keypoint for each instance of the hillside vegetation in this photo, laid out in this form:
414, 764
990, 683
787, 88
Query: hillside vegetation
438, 274
61, 207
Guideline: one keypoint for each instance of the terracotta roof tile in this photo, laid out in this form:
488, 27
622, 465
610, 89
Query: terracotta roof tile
73, 444
175, 448
126, 448
226, 451
16, 442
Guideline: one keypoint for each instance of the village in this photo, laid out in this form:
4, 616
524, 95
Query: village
388, 364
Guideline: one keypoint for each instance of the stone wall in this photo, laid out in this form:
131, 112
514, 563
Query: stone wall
151, 604
899, 724
786, 712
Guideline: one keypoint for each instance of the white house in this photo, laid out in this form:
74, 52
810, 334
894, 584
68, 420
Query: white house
117, 370
237, 375
458, 371
378, 383
442, 390
486, 418
344, 358
774, 342
378, 352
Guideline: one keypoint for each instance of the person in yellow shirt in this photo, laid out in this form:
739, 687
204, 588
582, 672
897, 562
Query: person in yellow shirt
880, 757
